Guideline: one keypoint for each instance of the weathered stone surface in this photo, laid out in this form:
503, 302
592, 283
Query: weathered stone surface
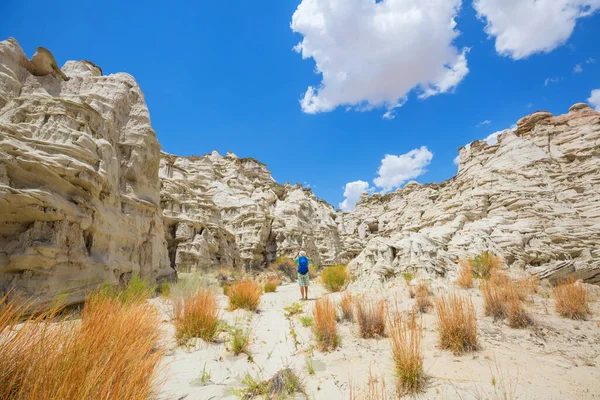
228, 211
79, 187
533, 199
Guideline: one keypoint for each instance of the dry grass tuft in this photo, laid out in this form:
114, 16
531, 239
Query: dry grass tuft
325, 327
571, 300
422, 300
494, 300
502, 298
272, 284
405, 339
515, 313
347, 307
374, 390
112, 352
371, 318
334, 278
457, 323
196, 316
465, 275
244, 294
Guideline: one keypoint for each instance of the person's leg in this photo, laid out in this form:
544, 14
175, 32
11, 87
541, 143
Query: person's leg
301, 291
306, 292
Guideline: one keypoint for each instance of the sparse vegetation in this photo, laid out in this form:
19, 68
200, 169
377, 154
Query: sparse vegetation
283, 384
408, 276
457, 323
306, 320
347, 307
405, 339
494, 300
287, 266
293, 309
422, 300
196, 316
334, 278
374, 390
244, 294
239, 338
309, 367
313, 271
165, 289
516, 315
272, 283
113, 352
465, 275
571, 300
484, 263
137, 289
370, 315
502, 299
325, 328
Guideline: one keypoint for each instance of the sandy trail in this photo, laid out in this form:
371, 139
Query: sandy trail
556, 360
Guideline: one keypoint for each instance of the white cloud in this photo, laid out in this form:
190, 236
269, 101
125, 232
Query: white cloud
590, 60
486, 122
529, 105
396, 170
577, 69
552, 80
526, 27
373, 53
594, 99
456, 160
353, 193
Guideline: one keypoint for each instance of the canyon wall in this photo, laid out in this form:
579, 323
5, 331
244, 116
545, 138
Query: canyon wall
79, 186
533, 198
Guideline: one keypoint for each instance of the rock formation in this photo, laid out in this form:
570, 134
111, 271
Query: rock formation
533, 198
79, 187
229, 211
86, 196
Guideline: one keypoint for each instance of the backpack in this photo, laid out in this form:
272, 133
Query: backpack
302, 265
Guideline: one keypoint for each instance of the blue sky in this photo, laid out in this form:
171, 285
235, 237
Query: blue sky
225, 75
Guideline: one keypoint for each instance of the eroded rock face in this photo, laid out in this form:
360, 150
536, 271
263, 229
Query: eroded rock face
79, 187
533, 199
228, 211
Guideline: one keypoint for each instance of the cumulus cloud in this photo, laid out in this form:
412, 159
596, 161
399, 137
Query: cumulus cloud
526, 27
456, 160
594, 99
590, 60
396, 170
577, 69
373, 53
352, 193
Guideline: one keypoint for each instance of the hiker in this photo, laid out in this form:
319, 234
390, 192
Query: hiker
302, 260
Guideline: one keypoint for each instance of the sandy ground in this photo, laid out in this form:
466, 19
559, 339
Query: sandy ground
557, 359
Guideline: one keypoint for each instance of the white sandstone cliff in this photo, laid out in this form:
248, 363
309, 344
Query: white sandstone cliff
79, 187
229, 211
533, 199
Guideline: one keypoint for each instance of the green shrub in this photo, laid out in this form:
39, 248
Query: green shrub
484, 263
335, 278
305, 320
137, 289
270, 287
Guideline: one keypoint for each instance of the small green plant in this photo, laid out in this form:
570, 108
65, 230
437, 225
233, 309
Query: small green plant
309, 367
137, 290
484, 263
283, 384
165, 289
306, 320
205, 377
239, 338
295, 308
408, 276
334, 278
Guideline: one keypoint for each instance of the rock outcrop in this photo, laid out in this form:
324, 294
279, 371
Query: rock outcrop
533, 198
229, 211
79, 187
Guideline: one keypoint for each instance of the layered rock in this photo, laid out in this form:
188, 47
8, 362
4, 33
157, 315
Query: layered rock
79, 187
229, 211
533, 198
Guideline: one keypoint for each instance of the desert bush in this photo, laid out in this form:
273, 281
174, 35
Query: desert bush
422, 300
499, 278
112, 352
334, 278
239, 338
515, 313
271, 285
137, 289
370, 315
465, 275
407, 352
244, 294
494, 300
196, 316
484, 263
571, 300
457, 323
325, 327
347, 307
287, 266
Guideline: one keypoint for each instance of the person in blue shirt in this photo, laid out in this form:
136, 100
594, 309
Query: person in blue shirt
302, 261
